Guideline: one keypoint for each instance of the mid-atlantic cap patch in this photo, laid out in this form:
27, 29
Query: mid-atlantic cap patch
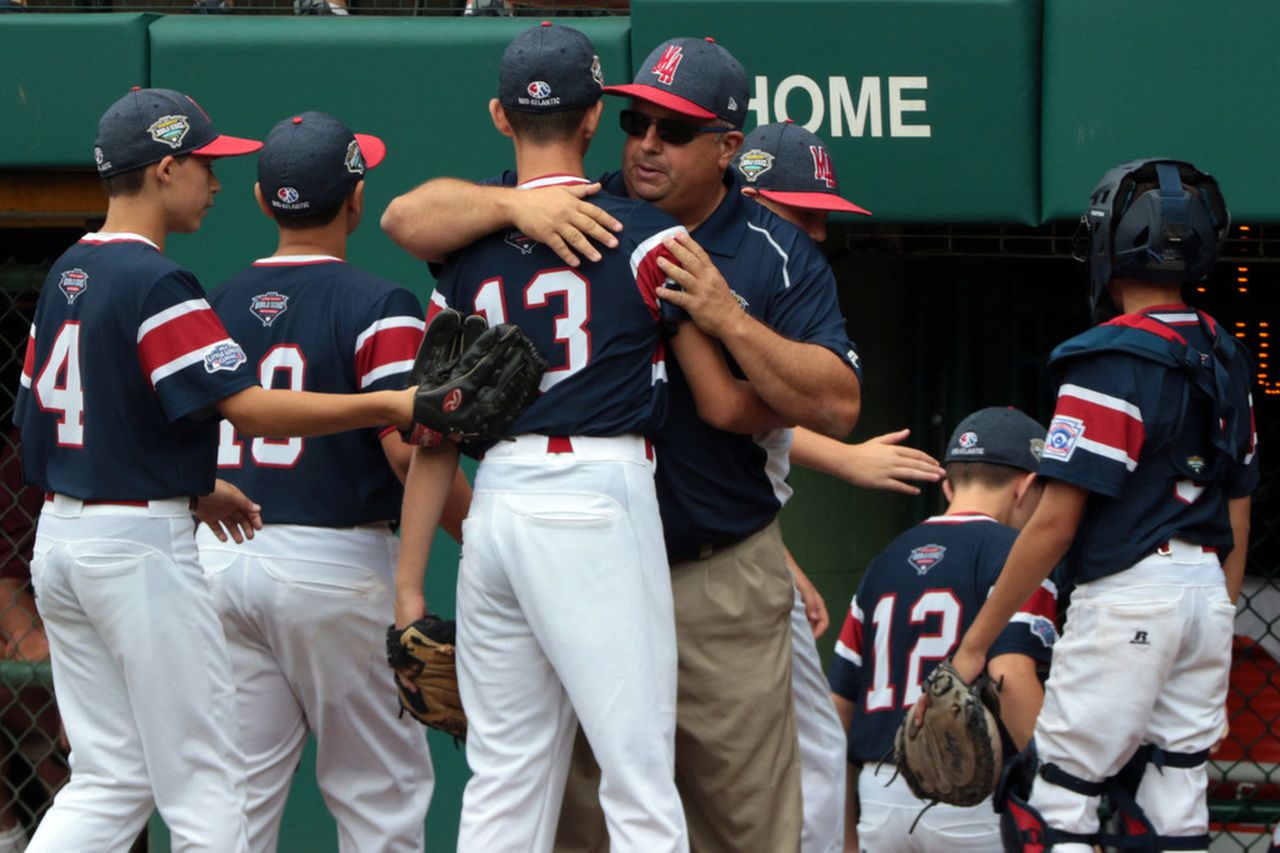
311, 162
694, 77
998, 436
548, 69
148, 124
791, 166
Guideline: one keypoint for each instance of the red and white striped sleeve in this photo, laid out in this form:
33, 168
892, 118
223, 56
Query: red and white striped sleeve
644, 266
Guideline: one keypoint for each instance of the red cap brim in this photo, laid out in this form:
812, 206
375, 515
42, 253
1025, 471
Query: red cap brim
228, 146
662, 98
814, 201
372, 149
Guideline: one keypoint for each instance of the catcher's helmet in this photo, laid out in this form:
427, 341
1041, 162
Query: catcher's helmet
1153, 220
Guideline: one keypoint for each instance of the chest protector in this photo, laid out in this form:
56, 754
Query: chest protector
1212, 431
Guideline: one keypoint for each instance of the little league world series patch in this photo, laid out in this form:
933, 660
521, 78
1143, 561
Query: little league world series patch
1064, 435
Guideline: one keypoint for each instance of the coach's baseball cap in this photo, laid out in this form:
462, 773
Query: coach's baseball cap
147, 124
695, 77
791, 166
998, 436
310, 164
548, 69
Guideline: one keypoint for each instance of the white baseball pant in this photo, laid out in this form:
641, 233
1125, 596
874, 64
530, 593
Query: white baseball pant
822, 742
305, 611
142, 679
888, 809
564, 615
1145, 658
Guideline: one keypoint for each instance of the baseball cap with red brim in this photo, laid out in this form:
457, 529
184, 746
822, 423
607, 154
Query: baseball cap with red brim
791, 166
311, 162
694, 77
146, 125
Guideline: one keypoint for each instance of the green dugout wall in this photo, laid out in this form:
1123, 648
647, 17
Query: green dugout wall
937, 112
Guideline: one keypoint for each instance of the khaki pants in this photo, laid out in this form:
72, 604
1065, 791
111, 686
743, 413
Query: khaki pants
737, 763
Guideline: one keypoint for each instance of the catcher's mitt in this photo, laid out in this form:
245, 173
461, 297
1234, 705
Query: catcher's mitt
955, 754
475, 380
423, 654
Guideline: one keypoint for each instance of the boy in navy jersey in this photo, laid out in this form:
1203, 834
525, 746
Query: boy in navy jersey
1150, 462
719, 493
305, 602
125, 369
914, 601
564, 600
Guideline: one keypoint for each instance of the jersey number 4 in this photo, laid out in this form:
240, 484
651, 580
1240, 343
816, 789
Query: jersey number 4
936, 646
571, 327
58, 387
286, 359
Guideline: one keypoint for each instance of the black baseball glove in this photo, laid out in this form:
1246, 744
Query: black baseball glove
473, 380
423, 654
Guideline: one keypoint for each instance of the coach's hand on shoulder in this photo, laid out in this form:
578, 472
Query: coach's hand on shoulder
229, 511
702, 291
562, 219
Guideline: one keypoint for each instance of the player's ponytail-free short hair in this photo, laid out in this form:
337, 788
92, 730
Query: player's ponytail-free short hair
545, 128
317, 219
130, 183
961, 474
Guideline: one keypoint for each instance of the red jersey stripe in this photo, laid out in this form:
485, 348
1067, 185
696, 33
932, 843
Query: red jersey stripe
1103, 423
179, 337
384, 348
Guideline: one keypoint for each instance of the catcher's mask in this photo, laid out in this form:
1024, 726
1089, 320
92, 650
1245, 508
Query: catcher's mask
1155, 220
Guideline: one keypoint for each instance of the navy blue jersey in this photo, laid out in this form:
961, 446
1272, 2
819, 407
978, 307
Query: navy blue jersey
598, 325
318, 324
124, 367
915, 601
715, 487
1122, 428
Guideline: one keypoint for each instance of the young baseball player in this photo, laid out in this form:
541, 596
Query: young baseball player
125, 370
305, 603
719, 493
915, 599
788, 170
1150, 462
564, 600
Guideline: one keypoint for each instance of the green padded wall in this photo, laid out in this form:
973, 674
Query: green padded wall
1154, 78
57, 75
966, 72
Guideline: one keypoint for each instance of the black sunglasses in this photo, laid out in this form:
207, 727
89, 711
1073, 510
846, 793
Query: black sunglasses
670, 130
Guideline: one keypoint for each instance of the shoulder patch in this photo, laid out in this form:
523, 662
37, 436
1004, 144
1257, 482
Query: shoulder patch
926, 557
1044, 630
224, 356
516, 240
1064, 434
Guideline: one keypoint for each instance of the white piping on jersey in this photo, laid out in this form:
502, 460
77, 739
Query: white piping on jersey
193, 357
1248, 457
1177, 319
385, 370
786, 277
552, 181
287, 260
403, 321
173, 312
1106, 451
777, 444
642, 251
25, 379
437, 298
117, 237
1106, 401
848, 654
659, 373
958, 518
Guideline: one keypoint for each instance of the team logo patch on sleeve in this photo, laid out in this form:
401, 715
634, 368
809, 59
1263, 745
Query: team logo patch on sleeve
1064, 434
268, 306
224, 356
926, 557
169, 130
1043, 629
755, 163
73, 283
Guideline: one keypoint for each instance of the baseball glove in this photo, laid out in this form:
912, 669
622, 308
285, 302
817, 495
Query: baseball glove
955, 754
474, 380
423, 654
